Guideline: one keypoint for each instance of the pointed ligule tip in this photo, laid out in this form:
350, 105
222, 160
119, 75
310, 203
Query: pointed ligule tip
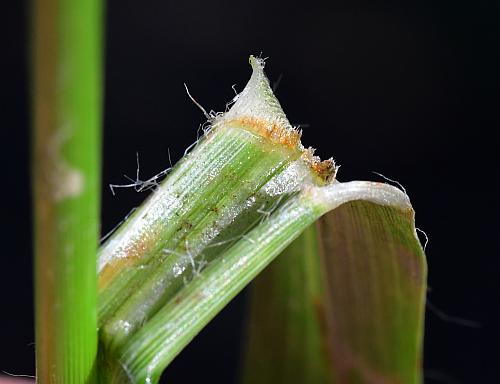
256, 62
258, 110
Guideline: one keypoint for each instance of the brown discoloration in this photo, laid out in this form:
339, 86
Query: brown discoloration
135, 251
324, 169
276, 133
289, 138
112, 269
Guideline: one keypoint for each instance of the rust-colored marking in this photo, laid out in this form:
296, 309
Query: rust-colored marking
290, 138
275, 132
110, 270
135, 251
324, 169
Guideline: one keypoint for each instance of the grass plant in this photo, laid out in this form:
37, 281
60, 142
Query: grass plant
343, 304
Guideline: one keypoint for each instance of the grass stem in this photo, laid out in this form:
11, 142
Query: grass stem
66, 71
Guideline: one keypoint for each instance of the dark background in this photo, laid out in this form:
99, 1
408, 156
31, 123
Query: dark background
408, 90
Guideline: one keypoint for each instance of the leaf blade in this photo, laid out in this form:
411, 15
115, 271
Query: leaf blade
371, 311
285, 328
376, 282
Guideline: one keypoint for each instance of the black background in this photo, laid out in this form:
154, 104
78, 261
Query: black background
408, 90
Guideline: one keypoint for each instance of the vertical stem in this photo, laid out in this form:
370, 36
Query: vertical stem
66, 54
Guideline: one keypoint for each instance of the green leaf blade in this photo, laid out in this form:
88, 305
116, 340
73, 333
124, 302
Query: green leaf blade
376, 282
285, 340
369, 309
